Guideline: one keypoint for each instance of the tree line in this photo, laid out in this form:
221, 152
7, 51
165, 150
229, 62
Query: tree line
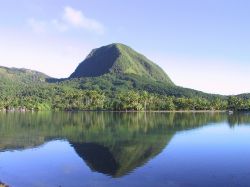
57, 97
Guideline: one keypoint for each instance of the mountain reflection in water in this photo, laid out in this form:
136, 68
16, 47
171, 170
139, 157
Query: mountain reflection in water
114, 144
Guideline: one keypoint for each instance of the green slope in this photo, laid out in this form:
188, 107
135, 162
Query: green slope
117, 67
119, 60
13, 80
21, 75
108, 77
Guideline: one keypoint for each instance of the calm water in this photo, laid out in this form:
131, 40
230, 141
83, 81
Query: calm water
124, 149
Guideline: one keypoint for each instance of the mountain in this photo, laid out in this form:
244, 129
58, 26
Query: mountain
21, 75
118, 67
119, 60
112, 77
14, 82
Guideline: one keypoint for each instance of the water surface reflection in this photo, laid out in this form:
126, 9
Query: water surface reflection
106, 149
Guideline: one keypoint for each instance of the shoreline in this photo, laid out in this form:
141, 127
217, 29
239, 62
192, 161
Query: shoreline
124, 111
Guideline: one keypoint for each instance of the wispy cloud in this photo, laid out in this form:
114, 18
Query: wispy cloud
70, 19
37, 26
58, 25
77, 19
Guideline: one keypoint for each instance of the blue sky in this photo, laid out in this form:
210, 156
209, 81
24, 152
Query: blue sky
201, 44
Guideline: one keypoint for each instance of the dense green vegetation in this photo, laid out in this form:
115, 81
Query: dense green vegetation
63, 97
119, 59
112, 77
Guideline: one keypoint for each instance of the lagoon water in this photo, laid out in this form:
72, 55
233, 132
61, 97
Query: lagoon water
124, 149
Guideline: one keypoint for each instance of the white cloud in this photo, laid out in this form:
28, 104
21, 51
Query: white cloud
37, 26
70, 19
77, 19
60, 26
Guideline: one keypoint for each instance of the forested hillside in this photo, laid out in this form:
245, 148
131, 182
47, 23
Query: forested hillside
113, 77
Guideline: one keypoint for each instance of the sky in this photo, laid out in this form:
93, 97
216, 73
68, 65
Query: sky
201, 44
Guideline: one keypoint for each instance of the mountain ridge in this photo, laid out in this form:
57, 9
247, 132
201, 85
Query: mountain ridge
22, 75
28, 76
118, 59
113, 77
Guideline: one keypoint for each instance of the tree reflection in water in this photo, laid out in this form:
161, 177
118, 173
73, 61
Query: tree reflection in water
110, 143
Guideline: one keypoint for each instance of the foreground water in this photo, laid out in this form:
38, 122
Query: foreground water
124, 149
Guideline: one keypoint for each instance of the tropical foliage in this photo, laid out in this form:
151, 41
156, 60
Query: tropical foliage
113, 77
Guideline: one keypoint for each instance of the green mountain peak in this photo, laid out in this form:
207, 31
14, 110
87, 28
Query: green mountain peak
118, 59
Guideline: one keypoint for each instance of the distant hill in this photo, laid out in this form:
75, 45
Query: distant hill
21, 75
14, 81
119, 60
244, 96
